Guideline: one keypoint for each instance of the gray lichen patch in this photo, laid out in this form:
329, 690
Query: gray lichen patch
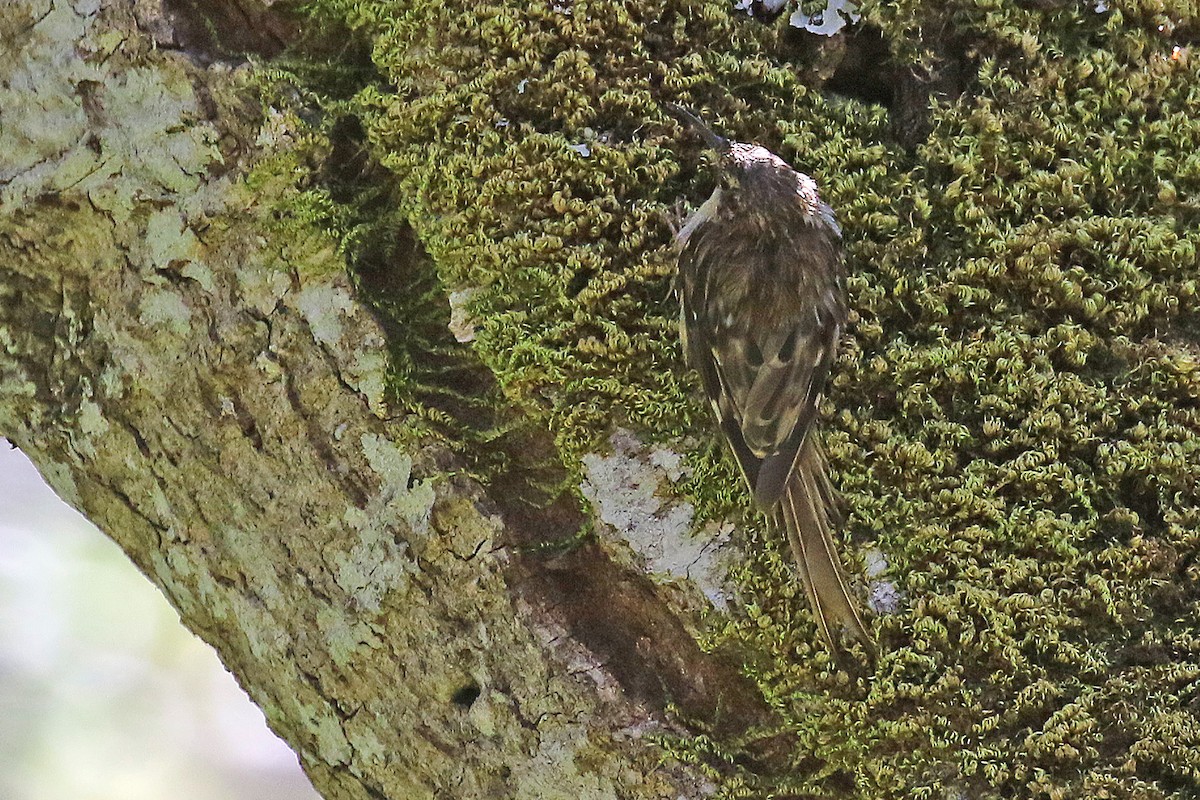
169, 243
329, 308
558, 772
331, 744
344, 633
626, 491
74, 125
166, 309
377, 563
411, 501
323, 306
462, 323
885, 597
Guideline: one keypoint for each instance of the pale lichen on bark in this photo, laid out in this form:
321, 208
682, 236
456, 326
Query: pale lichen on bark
629, 489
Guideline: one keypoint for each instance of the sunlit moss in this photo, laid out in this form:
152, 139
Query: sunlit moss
1014, 419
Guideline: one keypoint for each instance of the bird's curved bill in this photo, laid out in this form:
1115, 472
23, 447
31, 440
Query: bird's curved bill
696, 125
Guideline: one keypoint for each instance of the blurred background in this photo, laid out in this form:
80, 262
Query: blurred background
104, 695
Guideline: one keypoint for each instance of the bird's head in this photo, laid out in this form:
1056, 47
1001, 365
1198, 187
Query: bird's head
755, 181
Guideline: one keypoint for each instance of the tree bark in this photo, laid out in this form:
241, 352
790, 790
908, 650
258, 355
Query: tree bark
208, 389
273, 436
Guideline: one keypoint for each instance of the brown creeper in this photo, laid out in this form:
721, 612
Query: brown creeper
762, 297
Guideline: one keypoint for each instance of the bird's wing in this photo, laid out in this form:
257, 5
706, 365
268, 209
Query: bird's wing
764, 354
763, 369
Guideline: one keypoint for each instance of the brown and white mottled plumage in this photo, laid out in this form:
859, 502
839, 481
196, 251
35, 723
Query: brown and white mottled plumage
763, 302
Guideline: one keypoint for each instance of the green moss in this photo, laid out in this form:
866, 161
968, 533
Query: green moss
1014, 417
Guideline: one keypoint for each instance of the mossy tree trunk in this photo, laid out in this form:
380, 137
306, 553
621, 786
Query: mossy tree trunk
522, 566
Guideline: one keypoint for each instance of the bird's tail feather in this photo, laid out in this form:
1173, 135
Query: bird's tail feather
806, 515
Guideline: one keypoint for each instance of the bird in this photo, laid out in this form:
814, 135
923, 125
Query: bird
762, 296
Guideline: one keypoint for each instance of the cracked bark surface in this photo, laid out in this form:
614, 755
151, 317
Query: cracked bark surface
210, 392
